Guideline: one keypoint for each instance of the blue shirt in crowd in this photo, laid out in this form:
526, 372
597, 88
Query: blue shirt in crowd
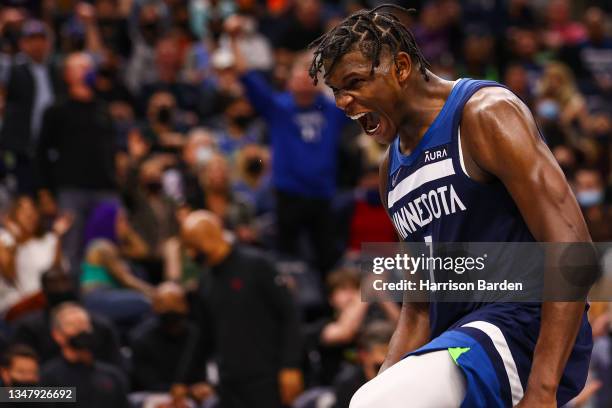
304, 140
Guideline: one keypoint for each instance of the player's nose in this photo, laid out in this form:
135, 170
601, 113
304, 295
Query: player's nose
343, 100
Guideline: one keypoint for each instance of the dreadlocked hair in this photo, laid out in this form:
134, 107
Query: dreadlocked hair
371, 30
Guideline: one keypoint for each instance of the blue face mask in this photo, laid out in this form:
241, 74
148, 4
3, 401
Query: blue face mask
589, 198
548, 110
90, 78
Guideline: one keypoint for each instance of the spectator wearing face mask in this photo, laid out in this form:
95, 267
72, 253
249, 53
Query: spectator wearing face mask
98, 384
373, 344
197, 152
34, 329
253, 183
590, 193
162, 130
558, 100
237, 129
77, 150
151, 212
182, 361
19, 367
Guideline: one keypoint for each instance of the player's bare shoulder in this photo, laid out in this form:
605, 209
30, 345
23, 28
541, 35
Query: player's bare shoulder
491, 110
495, 123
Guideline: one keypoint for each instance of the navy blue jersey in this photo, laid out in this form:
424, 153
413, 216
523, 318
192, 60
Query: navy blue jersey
431, 198
429, 195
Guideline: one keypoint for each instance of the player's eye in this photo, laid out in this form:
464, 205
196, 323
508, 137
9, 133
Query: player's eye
356, 82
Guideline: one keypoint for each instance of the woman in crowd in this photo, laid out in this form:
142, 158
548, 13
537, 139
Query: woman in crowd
108, 283
26, 251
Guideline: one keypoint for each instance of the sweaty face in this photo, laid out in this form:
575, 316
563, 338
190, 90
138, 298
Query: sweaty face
368, 98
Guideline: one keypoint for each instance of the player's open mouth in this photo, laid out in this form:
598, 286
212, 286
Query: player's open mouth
370, 121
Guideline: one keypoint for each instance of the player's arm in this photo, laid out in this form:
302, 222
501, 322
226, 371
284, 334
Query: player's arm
500, 139
412, 330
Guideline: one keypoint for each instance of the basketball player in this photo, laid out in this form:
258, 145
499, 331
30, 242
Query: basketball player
473, 148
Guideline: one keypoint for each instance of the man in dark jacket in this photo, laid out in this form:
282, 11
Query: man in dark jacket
32, 86
182, 362
252, 318
98, 385
76, 154
35, 328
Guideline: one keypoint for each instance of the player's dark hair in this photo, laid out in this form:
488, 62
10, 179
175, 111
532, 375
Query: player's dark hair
371, 30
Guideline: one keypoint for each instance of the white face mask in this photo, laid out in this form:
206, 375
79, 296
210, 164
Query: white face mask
203, 155
590, 198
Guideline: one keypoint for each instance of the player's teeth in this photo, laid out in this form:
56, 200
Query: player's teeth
374, 130
357, 116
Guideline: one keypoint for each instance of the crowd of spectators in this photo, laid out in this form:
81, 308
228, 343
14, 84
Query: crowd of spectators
182, 210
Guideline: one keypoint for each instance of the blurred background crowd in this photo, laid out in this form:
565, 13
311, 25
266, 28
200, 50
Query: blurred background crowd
181, 210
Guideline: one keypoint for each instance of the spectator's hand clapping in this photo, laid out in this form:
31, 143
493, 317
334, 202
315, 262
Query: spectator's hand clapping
62, 224
137, 146
86, 13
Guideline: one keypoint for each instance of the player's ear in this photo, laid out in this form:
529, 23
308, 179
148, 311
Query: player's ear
403, 67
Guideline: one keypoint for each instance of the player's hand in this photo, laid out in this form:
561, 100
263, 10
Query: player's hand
291, 384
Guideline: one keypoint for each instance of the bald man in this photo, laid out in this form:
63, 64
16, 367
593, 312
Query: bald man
252, 317
76, 152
